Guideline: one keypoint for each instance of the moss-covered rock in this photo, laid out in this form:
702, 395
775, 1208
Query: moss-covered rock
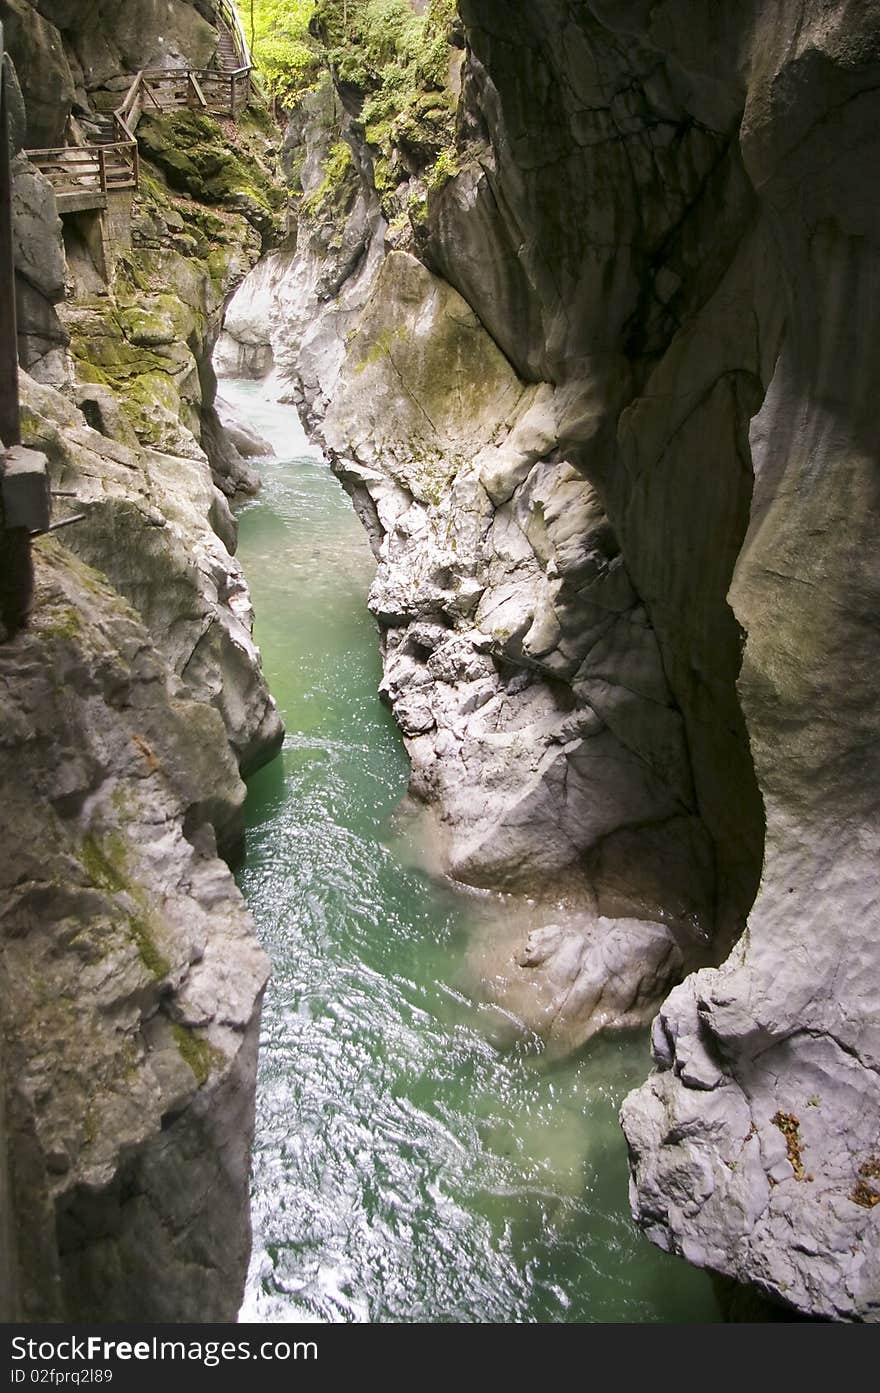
392, 68
208, 161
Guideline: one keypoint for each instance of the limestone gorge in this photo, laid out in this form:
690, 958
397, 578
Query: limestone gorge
579, 301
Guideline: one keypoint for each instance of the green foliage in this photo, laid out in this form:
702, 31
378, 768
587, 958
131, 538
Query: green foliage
338, 169
445, 167
287, 56
399, 62
383, 47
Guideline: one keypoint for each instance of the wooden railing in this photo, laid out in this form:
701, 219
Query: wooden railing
167, 89
228, 14
83, 175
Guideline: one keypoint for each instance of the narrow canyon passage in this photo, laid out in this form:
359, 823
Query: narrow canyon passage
405, 1168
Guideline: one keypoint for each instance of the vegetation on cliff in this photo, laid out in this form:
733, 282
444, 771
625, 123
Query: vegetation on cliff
282, 47
391, 68
207, 204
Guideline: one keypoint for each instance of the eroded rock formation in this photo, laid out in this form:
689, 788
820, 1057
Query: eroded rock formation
605, 411
131, 977
130, 974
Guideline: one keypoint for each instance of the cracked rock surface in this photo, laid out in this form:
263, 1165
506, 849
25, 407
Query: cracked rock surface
130, 975
607, 415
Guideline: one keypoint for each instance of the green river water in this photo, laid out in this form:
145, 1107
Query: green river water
405, 1169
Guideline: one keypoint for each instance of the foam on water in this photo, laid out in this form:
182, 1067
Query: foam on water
405, 1169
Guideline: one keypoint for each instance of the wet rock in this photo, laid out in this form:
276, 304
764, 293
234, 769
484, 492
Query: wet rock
248, 442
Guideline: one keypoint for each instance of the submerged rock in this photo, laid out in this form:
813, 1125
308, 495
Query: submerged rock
248, 442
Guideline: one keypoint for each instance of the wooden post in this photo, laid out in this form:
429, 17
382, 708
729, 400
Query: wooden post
10, 420
102, 169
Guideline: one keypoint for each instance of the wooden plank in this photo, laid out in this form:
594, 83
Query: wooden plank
197, 89
81, 201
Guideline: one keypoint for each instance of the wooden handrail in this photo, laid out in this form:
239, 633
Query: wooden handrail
197, 90
85, 162
71, 151
228, 13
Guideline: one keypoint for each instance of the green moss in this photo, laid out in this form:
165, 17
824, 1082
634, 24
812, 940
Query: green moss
197, 1053
154, 961
338, 186
445, 167
399, 62
380, 347
64, 622
196, 157
90, 372
105, 862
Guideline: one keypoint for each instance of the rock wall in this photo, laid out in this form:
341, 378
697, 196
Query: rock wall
130, 979
756, 1143
65, 49
603, 406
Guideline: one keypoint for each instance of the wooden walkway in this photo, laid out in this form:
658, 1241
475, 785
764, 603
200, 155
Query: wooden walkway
84, 175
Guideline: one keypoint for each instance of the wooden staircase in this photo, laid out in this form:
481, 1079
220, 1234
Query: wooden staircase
84, 175
226, 58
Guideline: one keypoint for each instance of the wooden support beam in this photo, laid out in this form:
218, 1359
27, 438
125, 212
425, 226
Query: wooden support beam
10, 419
194, 83
25, 488
80, 201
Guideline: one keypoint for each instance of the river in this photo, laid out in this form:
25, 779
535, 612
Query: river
405, 1169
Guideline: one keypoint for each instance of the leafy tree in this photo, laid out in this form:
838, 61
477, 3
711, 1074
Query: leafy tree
285, 53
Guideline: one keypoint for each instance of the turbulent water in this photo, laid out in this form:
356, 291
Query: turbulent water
405, 1168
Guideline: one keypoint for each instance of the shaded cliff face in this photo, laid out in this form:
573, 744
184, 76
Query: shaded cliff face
755, 1146
611, 435
631, 294
130, 975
